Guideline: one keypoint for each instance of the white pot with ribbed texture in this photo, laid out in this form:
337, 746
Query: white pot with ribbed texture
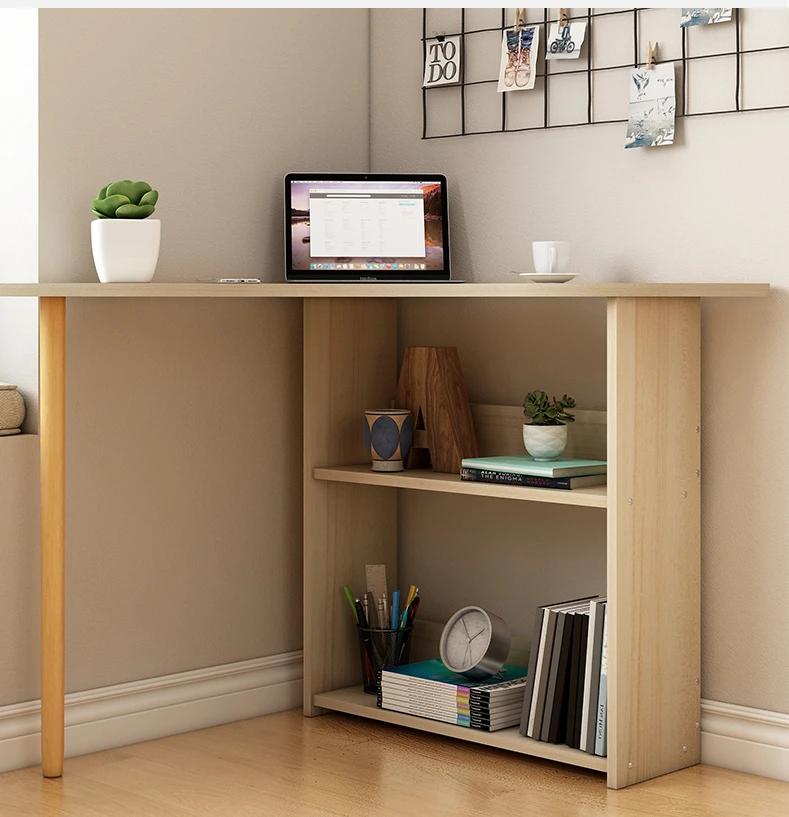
544, 443
125, 250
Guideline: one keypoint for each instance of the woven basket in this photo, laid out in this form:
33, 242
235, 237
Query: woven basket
12, 407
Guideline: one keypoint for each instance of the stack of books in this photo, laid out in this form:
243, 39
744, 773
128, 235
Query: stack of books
566, 695
563, 473
429, 690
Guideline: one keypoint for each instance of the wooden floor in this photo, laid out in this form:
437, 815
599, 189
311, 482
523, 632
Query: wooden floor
339, 765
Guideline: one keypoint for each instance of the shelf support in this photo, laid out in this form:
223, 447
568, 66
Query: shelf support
350, 365
52, 395
654, 507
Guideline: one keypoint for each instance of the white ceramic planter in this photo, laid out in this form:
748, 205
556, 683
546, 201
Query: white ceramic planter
125, 250
544, 442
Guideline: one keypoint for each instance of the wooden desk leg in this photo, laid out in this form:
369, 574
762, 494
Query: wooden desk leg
52, 396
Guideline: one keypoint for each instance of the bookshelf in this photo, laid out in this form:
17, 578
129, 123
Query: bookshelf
652, 505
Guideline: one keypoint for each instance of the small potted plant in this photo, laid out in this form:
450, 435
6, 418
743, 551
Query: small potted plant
125, 242
545, 436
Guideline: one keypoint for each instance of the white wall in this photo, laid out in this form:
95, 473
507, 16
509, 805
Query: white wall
711, 208
19, 202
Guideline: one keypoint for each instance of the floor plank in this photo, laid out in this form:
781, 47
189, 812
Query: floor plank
337, 765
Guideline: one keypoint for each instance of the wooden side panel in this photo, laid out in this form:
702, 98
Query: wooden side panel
350, 364
52, 391
653, 537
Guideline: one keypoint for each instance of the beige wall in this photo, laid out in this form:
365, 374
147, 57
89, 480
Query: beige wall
711, 208
212, 107
19, 578
184, 458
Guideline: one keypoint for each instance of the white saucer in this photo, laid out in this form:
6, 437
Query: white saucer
549, 277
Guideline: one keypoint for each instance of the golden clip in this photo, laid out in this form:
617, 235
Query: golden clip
651, 54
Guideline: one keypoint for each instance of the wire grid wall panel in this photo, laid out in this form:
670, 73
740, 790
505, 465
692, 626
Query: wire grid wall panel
714, 65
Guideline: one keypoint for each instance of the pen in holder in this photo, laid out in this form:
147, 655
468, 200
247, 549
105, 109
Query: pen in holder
380, 649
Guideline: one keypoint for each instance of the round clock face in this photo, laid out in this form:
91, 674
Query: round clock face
466, 639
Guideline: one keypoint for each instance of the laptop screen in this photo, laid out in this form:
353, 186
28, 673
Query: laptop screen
372, 226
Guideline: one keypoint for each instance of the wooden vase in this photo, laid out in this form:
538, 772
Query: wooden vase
431, 385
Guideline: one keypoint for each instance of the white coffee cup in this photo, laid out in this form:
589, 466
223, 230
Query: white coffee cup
551, 256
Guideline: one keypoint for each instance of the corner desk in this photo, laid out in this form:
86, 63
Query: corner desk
652, 499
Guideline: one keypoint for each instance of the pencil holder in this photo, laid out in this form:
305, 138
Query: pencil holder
381, 649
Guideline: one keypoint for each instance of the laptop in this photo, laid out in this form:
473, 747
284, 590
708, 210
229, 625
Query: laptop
377, 227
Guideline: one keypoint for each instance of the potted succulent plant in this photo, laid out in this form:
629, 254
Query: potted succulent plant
545, 437
125, 242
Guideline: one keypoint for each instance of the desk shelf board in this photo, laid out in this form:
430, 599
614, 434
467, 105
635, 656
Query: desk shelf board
383, 290
426, 480
354, 701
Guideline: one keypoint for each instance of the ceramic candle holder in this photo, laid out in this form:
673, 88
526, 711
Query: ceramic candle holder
388, 434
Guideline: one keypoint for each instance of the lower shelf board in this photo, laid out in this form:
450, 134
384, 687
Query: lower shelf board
354, 701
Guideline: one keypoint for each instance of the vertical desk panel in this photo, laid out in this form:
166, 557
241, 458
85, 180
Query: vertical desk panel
52, 395
350, 364
653, 537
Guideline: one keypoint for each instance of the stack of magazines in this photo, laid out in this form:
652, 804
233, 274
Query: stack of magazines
563, 473
429, 690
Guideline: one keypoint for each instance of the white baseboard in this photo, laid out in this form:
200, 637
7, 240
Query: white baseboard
745, 740
156, 707
755, 741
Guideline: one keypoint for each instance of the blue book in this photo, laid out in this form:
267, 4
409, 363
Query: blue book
524, 464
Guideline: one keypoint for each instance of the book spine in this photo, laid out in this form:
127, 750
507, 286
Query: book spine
587, 681
553, 674
583, 641
535, 645
418, 703
595, 648
458, 720
541, 676
600, 747
504, 478
572, 683
494, 727
557, 721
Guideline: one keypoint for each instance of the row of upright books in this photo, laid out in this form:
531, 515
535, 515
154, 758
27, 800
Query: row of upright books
564, 474
429, 690
566, 696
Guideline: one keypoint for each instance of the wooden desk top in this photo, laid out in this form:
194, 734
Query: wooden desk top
383, 290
